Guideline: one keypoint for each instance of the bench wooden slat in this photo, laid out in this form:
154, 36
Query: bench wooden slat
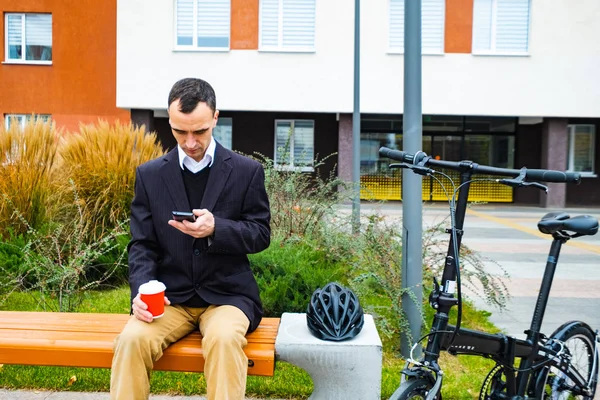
86, 340
8, 335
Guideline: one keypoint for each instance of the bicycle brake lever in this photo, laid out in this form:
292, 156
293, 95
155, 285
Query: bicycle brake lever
536, 185
417, 169
396, 165
421, 170
515, 182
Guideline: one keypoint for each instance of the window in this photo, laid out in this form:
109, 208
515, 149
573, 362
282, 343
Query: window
222, 132
294, 144
21, 119
582, 142
202, 24
433, 15
501, 26
28, 38
287, 25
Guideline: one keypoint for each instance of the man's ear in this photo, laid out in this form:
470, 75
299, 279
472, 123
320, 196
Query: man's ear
216, 117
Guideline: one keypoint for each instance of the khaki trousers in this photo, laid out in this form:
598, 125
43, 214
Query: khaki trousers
140, 344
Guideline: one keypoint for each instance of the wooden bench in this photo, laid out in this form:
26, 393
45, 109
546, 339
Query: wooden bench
86, 340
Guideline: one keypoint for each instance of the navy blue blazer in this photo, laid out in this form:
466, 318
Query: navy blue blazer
220, 272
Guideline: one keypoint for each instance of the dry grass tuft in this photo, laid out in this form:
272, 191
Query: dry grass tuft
101, 160
27, 157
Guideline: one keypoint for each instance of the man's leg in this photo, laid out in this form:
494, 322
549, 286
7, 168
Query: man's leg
226, 366
139, 345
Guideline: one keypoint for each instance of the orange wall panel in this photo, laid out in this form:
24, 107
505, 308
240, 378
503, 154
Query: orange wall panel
82, 78
244, 24
459, 26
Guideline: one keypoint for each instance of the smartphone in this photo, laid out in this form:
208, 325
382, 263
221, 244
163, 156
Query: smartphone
183, 216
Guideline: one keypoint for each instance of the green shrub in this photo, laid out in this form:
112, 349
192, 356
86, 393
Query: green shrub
288, 272
59, 265
301, 201
27, 157
101, 159
11, 260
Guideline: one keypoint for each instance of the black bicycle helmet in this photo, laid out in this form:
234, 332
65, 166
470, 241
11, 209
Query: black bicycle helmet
334, 313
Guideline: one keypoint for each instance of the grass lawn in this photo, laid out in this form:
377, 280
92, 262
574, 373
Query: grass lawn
463, 375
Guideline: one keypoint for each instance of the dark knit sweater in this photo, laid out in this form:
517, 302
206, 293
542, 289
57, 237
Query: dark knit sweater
195, 185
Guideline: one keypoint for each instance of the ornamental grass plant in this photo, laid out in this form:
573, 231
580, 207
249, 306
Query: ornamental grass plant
101, 160
27, 161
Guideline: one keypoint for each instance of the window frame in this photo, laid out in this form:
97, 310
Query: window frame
280, 48
571, 149
291, 166
225, 121
23, 118
429, 52
23, 60
494, 23
194, 45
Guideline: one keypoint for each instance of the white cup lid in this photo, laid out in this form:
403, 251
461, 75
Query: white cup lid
152, 287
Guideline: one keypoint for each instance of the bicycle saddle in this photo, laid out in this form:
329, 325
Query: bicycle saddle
560, 221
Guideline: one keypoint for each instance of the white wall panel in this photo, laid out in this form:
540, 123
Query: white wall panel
147, 66
559, 77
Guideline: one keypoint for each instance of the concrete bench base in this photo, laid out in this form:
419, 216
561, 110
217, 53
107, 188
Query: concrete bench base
349, 369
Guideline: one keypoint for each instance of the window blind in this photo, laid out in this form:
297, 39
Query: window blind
298, 23
501, 26
288, 24
512, 25
482, 25
213, 23
203, 23
396, 33
38, 30
185, 22
269, 23
433, 16
283, 142
303, 143
15, 28
432, 25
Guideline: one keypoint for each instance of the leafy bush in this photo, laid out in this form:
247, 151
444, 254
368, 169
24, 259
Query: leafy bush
58, 265
26, 161
101, 159
301, 201
288, 272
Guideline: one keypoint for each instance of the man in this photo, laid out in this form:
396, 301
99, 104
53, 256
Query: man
203, 264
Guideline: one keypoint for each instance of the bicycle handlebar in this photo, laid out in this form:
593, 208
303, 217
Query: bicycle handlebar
544, 175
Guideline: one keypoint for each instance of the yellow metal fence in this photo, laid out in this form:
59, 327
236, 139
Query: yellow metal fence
389, 187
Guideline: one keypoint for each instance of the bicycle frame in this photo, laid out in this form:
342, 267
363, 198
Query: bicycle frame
535, 352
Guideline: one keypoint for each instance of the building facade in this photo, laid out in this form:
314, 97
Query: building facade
59, 62
510, 83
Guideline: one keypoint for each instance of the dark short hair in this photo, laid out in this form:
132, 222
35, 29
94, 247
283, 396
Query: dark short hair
190, 92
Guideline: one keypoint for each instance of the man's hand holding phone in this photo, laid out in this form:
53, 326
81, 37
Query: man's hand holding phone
198, 223
184, 216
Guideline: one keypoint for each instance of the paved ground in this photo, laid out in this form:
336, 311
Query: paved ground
508, 237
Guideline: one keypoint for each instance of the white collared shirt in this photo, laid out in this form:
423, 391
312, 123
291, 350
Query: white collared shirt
193, 165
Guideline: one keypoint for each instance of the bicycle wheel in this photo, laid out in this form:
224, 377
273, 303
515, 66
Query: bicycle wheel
580, 340
414, 389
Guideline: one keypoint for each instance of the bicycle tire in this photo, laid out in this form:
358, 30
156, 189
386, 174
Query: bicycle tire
494, 384
414, 389
579, 338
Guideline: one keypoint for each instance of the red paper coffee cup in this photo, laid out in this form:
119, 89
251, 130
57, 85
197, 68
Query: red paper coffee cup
153, 294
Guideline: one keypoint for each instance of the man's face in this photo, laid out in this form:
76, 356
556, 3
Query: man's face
193, 131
